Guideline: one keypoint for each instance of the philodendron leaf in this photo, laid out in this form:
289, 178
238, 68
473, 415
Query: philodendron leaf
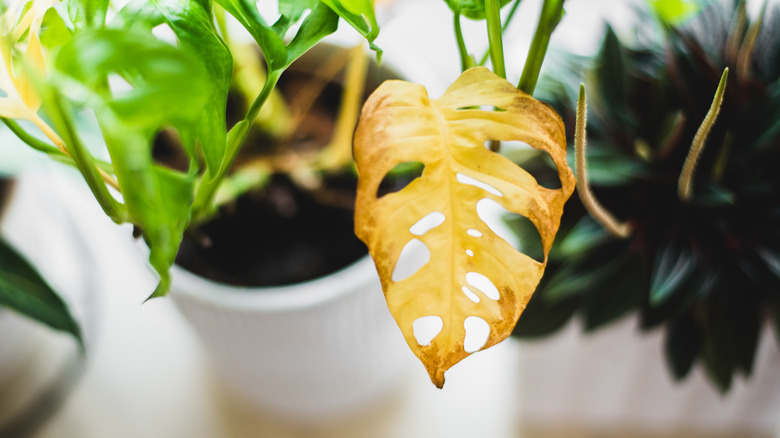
165, 86
360, 15
192, 25
474, 281
25, 291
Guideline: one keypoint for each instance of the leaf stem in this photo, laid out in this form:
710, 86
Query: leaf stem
465, 59
235, 139
745, 54
95, 178
41, 146
685, 183
493, 18
594, 208
504, 26
552, 12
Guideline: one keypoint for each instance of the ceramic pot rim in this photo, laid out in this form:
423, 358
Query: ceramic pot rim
275, 298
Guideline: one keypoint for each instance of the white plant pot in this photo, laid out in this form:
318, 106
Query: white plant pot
314, 350
615, 382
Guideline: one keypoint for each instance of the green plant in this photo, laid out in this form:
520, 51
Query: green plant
62, 59
700, 249
65, 61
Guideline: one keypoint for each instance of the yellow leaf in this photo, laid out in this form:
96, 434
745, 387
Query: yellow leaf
399, 123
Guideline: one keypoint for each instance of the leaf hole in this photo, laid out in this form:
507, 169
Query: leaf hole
526, 235
163, 32
427, 223
484, 285
168, 150
477, 333
119, 85
474, 233
494, 215
481, 108
427, 328
470, 294
414, 255
400, 176
465, 179
535, 162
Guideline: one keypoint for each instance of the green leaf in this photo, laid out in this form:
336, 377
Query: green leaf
320, 23
607, 167
193, 27
611, 75
675, 12
584, 236
24, 290
87, 13
587, 274
54, 32
719, 355
271, 43
474, 9
682, 344
621, 293
360, 15
746, 323
542, 317
675, 265
294, 9
170, 87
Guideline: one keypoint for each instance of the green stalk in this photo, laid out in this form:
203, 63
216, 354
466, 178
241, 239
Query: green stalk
589, 201
552, 12
84, 160
504, 27
235, 139
685, 183
493, 18
41, 146
466, 61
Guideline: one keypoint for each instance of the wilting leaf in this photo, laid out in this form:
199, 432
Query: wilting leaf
473, 276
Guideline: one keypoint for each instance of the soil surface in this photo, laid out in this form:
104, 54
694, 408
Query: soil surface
280, 235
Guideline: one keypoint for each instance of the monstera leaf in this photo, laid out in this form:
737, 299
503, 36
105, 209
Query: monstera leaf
472, 277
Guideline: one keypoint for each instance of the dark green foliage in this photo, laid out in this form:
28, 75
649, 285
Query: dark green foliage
24, 290
708, 270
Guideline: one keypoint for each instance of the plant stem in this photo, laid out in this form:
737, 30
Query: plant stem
685, 183
493, 18
745, 54
592, 205
235, 139
46, 148
504, 26
552, 12
465, 59
85, 162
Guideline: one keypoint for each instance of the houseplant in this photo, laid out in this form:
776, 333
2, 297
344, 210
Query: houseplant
703, 267
65, 58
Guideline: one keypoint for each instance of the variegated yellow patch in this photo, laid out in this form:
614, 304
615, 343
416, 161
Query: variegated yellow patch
473, 279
